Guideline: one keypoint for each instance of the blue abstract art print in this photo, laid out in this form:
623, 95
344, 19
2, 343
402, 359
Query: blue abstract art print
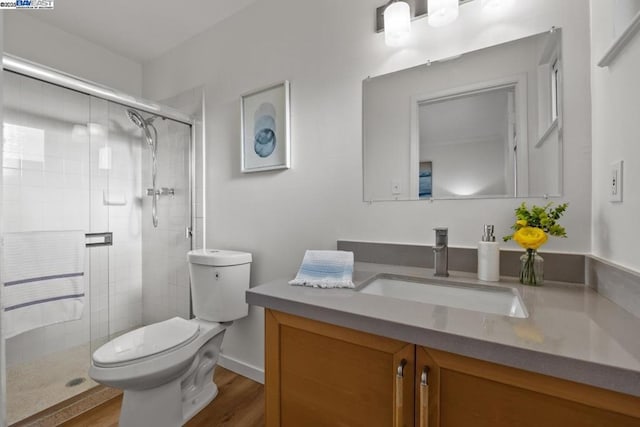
265, 129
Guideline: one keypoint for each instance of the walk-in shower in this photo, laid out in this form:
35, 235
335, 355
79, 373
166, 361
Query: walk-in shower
83, 162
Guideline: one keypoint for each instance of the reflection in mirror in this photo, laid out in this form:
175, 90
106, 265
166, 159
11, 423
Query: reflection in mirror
479, 124
483, 125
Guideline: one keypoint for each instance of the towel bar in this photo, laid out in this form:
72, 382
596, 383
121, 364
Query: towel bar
107, 239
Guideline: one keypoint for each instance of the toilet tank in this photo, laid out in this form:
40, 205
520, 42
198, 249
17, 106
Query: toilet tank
219, 279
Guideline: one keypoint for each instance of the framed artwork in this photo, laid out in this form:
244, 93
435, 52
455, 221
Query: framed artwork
425, 180
265, 129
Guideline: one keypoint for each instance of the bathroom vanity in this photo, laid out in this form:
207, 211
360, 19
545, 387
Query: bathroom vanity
346, 357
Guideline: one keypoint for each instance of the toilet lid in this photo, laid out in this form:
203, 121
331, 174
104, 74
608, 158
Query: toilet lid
146, 341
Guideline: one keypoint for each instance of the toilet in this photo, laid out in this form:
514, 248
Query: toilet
166, 369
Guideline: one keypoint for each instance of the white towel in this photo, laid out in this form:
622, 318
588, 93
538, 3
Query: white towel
325, 269
43, 279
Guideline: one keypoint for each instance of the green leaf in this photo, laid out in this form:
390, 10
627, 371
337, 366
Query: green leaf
543, 217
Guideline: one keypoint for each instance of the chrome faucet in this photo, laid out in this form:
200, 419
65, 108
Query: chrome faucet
441, 252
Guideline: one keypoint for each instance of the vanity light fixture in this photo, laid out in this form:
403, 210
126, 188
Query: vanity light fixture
494, 5
442, 12
394, 17
397, 23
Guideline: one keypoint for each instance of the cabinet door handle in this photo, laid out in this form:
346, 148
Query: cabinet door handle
424, 397
399, 397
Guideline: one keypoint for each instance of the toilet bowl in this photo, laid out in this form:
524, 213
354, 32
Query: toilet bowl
166, 369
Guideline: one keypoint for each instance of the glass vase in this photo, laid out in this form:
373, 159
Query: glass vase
531, 268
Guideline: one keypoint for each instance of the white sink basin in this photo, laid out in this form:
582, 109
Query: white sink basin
482, 298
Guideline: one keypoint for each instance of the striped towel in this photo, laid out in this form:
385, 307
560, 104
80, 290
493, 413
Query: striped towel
325, 269
43, 279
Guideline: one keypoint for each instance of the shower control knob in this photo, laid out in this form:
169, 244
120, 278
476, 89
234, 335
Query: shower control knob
164, 191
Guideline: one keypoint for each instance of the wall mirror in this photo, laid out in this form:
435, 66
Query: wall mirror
485, 124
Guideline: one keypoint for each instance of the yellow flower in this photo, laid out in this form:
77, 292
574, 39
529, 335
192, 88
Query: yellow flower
522, 222
530, 237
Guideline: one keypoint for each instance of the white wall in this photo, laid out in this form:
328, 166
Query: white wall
326, 49
616, 136
32, 39
3, 388
468, 169
466, 141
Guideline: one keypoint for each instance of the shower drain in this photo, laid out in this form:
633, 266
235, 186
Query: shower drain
74, 382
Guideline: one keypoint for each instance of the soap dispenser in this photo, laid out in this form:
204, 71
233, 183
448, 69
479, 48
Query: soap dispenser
488, 256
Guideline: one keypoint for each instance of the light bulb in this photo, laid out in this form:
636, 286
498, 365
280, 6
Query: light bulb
442, 12
397, 24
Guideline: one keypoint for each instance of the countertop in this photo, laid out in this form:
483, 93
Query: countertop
572, 332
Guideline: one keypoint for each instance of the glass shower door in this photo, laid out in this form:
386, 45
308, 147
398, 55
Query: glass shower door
48, 190
73, 163
148, 278
116, 196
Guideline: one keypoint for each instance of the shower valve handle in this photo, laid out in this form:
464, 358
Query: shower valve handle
164, 191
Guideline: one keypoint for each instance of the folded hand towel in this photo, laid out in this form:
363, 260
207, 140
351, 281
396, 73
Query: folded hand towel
325, 269
43, 279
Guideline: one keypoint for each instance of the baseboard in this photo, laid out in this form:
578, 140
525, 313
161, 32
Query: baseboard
242, 368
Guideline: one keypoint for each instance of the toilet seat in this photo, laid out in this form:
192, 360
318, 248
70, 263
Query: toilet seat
148, 341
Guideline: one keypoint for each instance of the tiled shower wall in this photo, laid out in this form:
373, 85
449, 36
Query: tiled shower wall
52, 181
121, 182
164, 252
192, 103
165, 287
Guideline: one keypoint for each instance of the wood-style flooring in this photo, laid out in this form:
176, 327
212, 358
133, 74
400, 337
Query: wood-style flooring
240, 402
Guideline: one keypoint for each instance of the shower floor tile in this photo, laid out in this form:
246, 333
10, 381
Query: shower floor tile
37, 385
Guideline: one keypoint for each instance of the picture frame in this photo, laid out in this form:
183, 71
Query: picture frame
265, 128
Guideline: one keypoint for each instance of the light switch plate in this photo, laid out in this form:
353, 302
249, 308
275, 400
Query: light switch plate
615, 182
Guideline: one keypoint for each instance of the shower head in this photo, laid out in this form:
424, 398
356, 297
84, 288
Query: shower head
152, 139
136, 118
143, 124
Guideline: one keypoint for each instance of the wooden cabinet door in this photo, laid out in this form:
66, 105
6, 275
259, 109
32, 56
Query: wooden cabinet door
427, 390
469, 392
323, 375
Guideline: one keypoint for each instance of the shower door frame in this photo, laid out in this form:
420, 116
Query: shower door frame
50, 75
46, 74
